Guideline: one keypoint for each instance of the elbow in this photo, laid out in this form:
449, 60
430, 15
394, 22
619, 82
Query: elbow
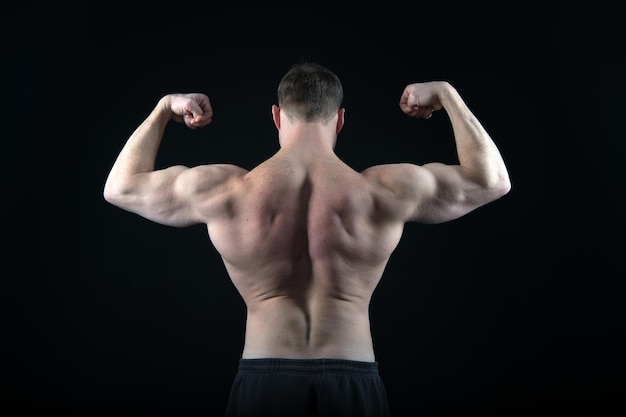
506, 186
505, 183
495, 187
496, 180
501, 187
113, 193
110, 195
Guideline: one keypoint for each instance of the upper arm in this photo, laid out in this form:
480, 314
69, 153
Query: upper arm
173, 196
434, 192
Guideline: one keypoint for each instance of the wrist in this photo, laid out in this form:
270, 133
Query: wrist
163, 109
446, 93
161, 113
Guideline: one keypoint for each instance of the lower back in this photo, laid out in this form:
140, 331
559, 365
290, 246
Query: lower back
318, 327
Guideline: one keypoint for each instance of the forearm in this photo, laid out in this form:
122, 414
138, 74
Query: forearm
475, 149
140, 151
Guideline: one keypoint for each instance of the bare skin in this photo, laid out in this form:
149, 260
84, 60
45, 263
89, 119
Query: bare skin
305, 238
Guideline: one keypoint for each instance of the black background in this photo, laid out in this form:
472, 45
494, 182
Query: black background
515, 309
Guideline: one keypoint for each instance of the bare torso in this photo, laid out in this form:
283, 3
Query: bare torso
305, 240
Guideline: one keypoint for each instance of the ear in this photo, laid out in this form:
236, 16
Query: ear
340, 119
276, 116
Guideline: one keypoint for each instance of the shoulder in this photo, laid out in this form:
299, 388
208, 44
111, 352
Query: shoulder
204, 178
397, 188
216, 171
402, 179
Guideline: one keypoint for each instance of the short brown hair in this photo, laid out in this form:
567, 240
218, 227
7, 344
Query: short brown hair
310, 92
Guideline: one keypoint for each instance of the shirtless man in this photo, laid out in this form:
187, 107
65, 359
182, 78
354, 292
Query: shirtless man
305, 238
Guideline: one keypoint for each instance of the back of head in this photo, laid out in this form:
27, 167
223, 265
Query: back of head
310, 92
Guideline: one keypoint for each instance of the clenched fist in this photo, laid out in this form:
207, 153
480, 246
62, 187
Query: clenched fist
193, 109
422, 99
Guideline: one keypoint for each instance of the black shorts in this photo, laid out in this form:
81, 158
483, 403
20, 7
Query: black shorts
307, 387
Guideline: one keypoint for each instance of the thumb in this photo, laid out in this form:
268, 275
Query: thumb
193, 114
193, 109
412, 100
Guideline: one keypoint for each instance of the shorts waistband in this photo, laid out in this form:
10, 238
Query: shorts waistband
308, 366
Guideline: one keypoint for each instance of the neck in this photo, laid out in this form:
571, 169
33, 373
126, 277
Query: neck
312, 137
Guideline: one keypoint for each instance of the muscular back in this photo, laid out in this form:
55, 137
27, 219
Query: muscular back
305, 241
305, 238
